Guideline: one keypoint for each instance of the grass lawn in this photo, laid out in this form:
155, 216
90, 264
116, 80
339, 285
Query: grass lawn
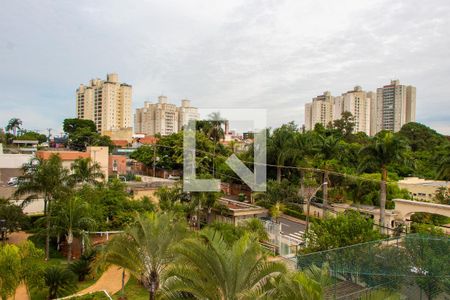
134, 291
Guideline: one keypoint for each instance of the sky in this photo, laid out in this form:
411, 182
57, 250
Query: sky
275, 54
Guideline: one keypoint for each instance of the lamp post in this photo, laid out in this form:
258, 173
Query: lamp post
308, 203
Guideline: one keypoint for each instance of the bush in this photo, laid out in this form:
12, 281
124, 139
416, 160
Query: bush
294, 213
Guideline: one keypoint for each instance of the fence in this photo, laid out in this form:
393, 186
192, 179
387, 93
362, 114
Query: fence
414, 266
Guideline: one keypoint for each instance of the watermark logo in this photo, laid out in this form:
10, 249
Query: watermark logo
255, 179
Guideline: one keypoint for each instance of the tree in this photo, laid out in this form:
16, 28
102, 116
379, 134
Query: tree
47, 179
9, 270
301, 285
345, 125
443, 170
384, 150
60, 281
442, 195
31, 135
72, 217
85, 171
12, 215
255, 227
71, 126
13, 124
346, 229
276, 211
19, 264
208, 268
146, 248
279, 150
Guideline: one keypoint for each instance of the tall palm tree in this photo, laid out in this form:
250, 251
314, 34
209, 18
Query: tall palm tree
86, 171
146, 248
46, 179
13, 124
327, 149
279, 146
208, 268
384, 150
72, 217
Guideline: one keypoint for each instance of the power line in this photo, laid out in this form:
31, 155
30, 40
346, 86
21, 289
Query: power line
316, 170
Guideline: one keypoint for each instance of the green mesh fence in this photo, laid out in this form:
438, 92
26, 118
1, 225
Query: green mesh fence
411, 267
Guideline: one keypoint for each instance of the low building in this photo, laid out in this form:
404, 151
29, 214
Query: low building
237, 211
109, 164
422, 189
11, 165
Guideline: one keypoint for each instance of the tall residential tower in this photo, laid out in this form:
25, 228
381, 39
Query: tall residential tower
106, 102
162, 117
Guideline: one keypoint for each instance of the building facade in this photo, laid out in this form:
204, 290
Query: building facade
163, 118
389, 108
106, 102
396, 106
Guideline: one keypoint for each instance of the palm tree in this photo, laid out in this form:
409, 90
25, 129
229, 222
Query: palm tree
60, 281
208, 268
256, 227
279, 146
46, 179
443, 170
85, 171
72, 217
13, 124
384, 150
146, 248
302, 285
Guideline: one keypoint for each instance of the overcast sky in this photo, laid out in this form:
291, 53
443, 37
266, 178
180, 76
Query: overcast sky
253, 54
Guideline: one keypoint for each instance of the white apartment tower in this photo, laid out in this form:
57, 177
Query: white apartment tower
358, 103
319, 111
107, 103
396, 106
162, 117
389, 108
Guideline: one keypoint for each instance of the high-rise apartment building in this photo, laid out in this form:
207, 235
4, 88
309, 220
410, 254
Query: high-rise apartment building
357, 102
389, 108
396, 106
319, 111
106, 102
162, 117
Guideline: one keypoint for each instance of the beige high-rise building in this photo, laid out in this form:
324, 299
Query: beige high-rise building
396, 106
389, 108
319, 111
106, 102
357, 102
162, 117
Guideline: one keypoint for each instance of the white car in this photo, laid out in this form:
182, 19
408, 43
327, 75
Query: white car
173, 177
13, 181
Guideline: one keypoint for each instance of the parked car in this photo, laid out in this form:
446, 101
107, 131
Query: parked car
174, 177
13, 181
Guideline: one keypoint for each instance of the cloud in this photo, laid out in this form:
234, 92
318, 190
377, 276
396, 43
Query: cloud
254, 53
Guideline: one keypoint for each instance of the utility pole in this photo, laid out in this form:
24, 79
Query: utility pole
49, 134
154, 159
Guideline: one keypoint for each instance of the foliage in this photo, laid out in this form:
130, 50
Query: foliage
13, 125
346, 229
82, 133
60, 281
442, 196
13, 216
47, 179
86, 171
146, 248
31, 135
83, 266
208, 268
19, 264
309, 284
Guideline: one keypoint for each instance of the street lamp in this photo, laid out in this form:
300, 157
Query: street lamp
308, 203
